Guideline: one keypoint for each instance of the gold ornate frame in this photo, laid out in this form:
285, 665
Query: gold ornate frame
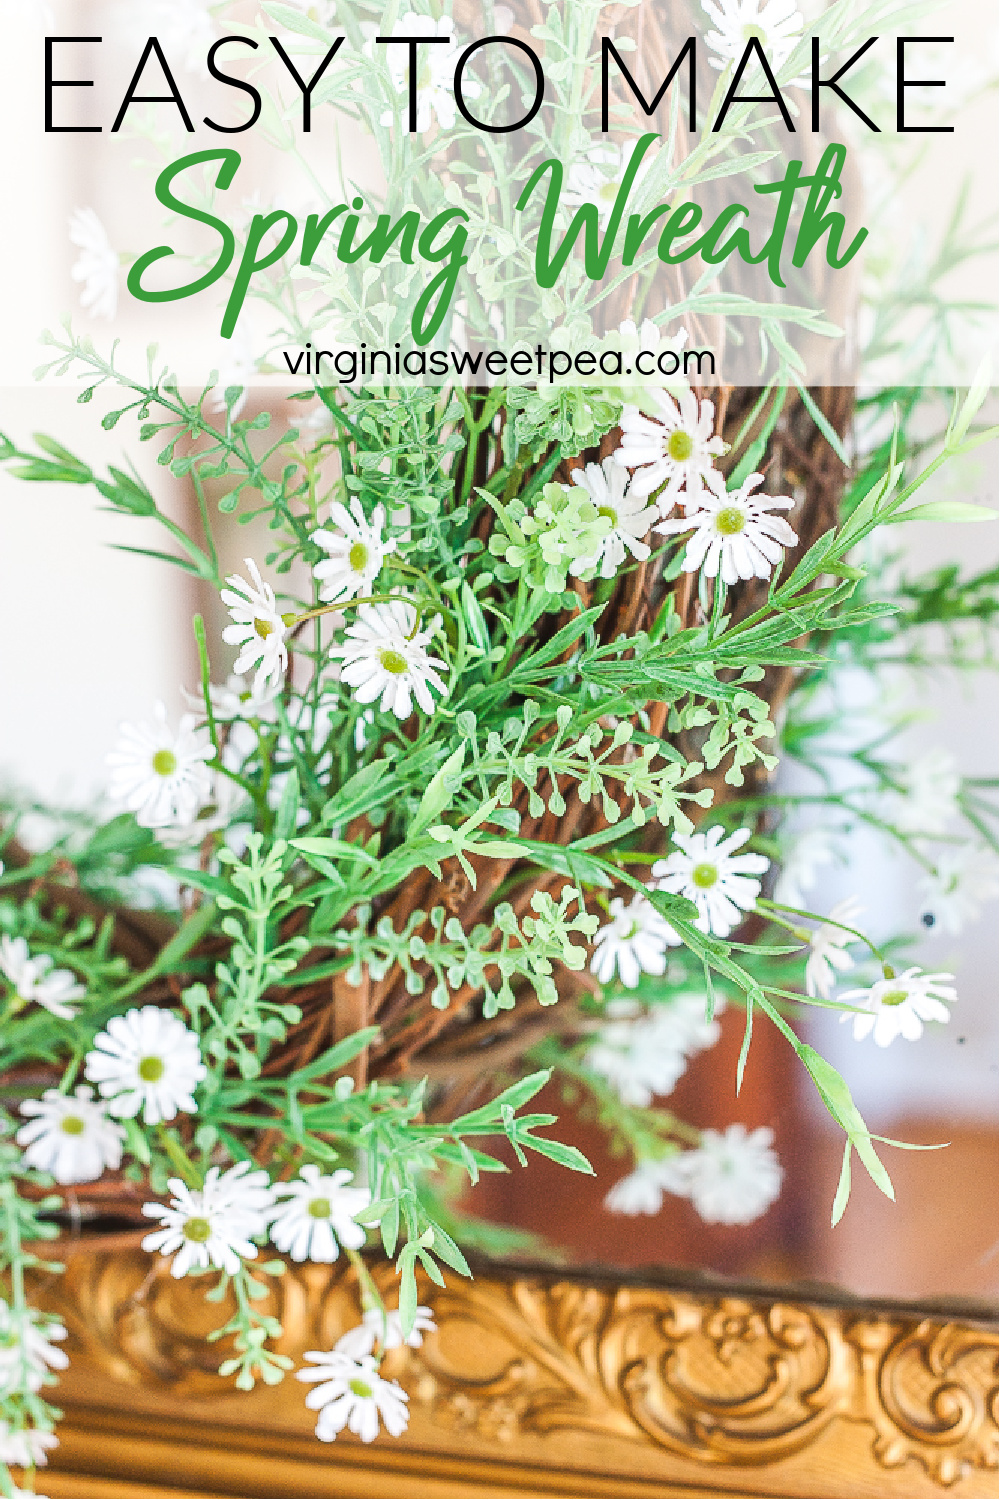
538, 1382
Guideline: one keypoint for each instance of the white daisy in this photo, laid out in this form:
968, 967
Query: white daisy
319, 1212
675, 449
641, 1192
597, 177
353, 1395
25, 1446
27, 1350
35, 980
357, 551
608, 487
70, 1136
386, 1329
900, 1006
98, 265
734, 535
435, 71
964, 878
159, 775
148, 1060
212, 1225
707, 870
776, 24
827, 948
383, 659
634, 942
928, 801
258, 628
734, 1175
642, 1052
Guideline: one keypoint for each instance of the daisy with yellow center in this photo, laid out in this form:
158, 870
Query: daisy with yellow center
706, 869
675, 449
356, 551
159, 775
384, 657
898, 1005
734, 534
147, 1060
70, 1136
351, 1393
629, 517
597, 177
213, 1225
258, 628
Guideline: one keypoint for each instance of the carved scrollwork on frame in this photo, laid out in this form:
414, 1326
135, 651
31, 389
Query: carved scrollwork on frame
930, 1390
723, 1382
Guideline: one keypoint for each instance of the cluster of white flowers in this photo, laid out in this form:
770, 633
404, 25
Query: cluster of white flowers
642, 1051
707, 870
671, 456
146, 1060
731, 1177
216, 1224
35, 981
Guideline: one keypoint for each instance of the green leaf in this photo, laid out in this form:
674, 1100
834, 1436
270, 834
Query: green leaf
478, 632
446, 1249
560, 642
822, 424
565, 1156
843, 1188
942, 510
440, 790
288, 807
334, 1058
371, 786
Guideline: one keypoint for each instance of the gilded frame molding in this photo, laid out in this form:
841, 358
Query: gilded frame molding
538, 1382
